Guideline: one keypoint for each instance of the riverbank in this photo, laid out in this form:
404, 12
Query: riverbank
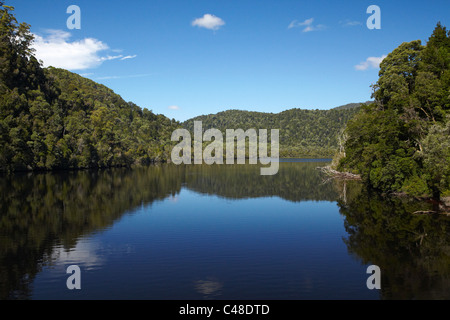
439, 207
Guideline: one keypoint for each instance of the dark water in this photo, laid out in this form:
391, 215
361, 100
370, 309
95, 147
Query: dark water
214, 232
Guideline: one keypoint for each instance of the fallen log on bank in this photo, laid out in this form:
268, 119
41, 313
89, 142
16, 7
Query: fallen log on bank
425, 212
334, 174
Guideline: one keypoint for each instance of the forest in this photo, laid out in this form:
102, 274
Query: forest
304, 133
54, 119
400, 144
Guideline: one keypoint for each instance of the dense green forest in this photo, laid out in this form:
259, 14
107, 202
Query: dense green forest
401, 142
54, 119
303, 133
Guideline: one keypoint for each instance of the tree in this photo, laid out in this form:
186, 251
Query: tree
397, 75
436, 158
398, 144
19, 68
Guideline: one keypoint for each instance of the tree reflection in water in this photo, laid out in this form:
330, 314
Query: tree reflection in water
412, 250
41, 214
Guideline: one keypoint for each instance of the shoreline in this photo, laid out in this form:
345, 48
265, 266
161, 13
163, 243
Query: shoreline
443, 204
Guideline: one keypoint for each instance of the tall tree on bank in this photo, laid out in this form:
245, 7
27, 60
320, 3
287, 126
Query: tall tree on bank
397, 142
22, 84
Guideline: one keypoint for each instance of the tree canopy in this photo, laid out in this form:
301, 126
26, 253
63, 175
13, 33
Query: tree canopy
400, 143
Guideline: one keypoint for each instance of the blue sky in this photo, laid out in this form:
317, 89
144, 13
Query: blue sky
186, 58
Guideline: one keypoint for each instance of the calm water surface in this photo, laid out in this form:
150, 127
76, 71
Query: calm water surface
214, 232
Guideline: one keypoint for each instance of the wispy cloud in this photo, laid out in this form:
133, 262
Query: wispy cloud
370, 63
350, 23
108, 78
295, 23
125, 76
173, 107
129, 57
108, 57
307, 25
208, 21
55, 49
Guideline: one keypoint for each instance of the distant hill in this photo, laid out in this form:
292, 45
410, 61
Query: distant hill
352, 105
303, 133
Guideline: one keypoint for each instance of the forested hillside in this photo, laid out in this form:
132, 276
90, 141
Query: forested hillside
401, 143
303, 133
54, 119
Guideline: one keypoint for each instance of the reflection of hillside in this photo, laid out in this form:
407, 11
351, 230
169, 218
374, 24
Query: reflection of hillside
294, 182
40, 211
413, 251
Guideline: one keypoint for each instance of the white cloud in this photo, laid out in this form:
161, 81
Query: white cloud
295, 23
129, 57
350, 23
370, 63
307, 24
108, 78
108, 57
125, 76
208, 21
86, 74
56, 50
173, 107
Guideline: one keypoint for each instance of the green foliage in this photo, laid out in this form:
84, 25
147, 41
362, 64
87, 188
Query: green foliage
54, 119
303, 133
416, 187
398, 143
436, 157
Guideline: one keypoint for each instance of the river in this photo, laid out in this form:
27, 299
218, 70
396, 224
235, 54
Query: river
167, 232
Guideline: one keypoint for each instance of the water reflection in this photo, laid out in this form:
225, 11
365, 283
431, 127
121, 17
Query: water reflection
413, 251
210, 288
294, 182
42, 216
45, 219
